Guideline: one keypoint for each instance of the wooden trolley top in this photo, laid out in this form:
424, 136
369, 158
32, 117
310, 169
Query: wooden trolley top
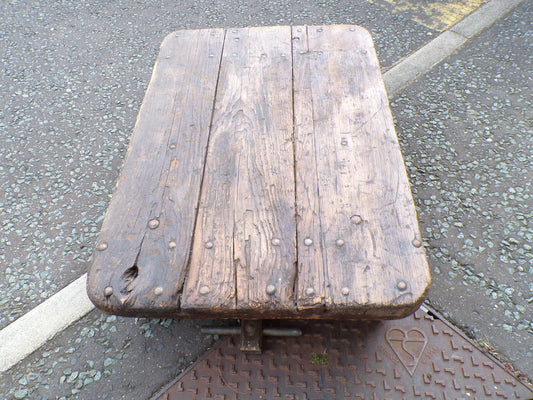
263, 180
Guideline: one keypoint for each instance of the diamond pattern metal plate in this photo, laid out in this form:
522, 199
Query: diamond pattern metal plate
418, 357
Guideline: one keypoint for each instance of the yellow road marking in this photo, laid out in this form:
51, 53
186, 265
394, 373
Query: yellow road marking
435, 14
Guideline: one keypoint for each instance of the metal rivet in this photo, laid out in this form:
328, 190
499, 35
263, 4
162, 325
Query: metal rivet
102, 246
172, 146
153, 223
344, 142
271, 289
356, 219
363, 51
209, 245
296, 38
167, 57
211, 55
204, 290
352, 29
108, 291
319, 30
339, 242
402, 285
235, 30
172, 244
234, 54
308, 241
417, 242
158, 291
236, 39
302, 51
276, 242
309, 291
345, 291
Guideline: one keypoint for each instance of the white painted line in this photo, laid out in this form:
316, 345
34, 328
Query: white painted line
25, 335
483, 17
445, 44
421, 61
33, 329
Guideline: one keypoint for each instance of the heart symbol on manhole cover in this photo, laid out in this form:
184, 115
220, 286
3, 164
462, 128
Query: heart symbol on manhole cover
407, 345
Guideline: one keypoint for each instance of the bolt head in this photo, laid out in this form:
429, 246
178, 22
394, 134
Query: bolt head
309, 292
101, 246
417, 242
153, 223
276, 242
172, 244
204, 290
209, 245
271, 289
308, 241
402, 285
339, 242
356, 219
158, 291
345, 291
108, 291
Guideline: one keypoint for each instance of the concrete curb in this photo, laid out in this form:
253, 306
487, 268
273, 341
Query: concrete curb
33, 329
445, 44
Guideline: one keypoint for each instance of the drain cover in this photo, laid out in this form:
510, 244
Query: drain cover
418, 357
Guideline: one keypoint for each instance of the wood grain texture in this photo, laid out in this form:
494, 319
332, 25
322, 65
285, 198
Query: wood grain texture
247, 208
311, 289
367, 215
263, 180
149, 223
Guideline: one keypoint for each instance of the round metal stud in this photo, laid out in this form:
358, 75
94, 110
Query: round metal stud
345, 291
270, 289
153, 223
401, 285
209, 245
101, 246
172, 244
158, 291
339, 242
308, 241
108, 291
276, 242
417, 242
356, 219
309, 292
363, 51
204, 290
172, 146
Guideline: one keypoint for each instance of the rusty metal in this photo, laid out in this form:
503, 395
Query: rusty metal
251, 335
221, 331
417, 357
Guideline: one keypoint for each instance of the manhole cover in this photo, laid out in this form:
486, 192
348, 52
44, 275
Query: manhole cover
418, 357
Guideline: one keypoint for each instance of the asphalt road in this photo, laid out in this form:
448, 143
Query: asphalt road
72, 82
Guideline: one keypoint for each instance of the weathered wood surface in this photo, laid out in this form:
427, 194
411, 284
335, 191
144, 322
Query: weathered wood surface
353, 174
263, 180
246, 212
143, 247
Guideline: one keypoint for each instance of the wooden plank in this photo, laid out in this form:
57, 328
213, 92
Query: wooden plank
247, 207
311, 290
367, 216
146, 235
